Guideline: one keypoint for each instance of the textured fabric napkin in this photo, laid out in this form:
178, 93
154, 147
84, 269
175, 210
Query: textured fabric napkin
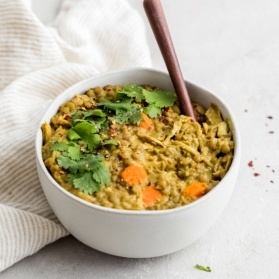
36, 64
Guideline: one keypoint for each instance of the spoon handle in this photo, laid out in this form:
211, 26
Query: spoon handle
157, 20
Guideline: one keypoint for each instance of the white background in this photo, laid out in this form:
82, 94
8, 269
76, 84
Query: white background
231, 48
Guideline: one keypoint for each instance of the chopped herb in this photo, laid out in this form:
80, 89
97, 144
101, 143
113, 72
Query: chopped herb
88, 134
72, 135
95, 117
152, 111
110, 142
132, 91
89, 169
117, 106
84, 182
160, 98
127, 111
200, 267
86, 169
74, 152
59, 146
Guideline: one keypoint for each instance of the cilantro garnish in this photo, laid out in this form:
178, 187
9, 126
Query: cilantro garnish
125, 111
84, 183
88, 134
159, 98
132, 91
110, 142
96, 117
86, 172
200, 267
153, 111
79, 156
71, 150
117, 106
132, 99
154, 100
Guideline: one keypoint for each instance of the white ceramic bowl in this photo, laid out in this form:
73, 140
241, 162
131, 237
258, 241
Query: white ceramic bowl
137, 234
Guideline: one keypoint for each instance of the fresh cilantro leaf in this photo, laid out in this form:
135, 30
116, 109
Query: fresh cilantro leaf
159, 97
87, 174
84, 129
92, 161
104, 126
60, 146
71, 149
74, 151
87, 131
110, 142
80, 114
72, 135
84, 183
88, 163
101, 173
94, 117
99, 123
65, 163
200, 267
98, 112
135, 115
133, 91
132, 116
152, 111
117, 106
91, 142
120, 96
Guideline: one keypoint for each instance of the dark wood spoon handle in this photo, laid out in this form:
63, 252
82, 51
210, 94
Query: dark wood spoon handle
157, 20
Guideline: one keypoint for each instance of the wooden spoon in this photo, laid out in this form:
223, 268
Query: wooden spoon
157, 20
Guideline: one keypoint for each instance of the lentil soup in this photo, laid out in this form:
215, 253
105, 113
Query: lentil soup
129, 147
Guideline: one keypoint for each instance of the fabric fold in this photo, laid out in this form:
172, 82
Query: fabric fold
37, 63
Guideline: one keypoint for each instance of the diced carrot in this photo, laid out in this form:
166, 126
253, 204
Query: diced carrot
196, 189
134, 175
150, 196
146, 123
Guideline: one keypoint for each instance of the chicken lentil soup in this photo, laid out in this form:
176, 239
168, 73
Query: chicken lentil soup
129, 147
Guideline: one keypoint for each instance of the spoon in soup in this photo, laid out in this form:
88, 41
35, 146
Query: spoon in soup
157, 20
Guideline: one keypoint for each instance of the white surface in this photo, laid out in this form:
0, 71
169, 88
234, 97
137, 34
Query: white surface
232, 48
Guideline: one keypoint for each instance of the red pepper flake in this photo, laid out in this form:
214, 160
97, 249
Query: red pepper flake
270, 117
161, 118
256, 174
250, 164
67, 117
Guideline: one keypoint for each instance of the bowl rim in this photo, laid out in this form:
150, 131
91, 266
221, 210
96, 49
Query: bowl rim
38, 146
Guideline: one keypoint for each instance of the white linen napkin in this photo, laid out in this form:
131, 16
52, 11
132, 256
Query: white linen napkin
36, 64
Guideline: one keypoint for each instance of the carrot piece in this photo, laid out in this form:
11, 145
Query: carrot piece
150, 196
146, 123
134, 175
196, 189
